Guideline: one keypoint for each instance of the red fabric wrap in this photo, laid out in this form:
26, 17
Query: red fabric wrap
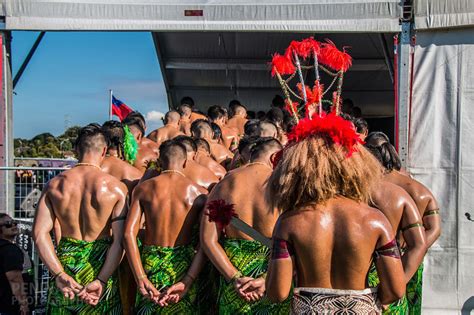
281, 249
390, 250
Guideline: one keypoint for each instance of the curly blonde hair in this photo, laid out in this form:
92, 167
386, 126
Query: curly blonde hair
315, 170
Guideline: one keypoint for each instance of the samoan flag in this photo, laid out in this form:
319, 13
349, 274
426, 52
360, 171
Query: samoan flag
119, 109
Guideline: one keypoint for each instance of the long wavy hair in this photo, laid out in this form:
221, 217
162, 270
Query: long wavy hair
315, 170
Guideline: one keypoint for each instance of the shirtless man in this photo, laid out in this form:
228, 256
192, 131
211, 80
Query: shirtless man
202, 129
241, 259
203, 157
167, 255
379, 144
194, 115
170, 130
115, 165
185, 111
327, 233
242, 156
90, 207
238, 119
146, 152
113, 162
230, 136
193, 170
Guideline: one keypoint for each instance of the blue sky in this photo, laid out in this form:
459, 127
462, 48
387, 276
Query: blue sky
70, 74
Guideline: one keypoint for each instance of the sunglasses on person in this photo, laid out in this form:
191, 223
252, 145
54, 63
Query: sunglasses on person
9, 224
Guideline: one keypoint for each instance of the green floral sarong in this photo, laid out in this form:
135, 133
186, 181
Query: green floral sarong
399, 307
164, 266
414, 291
83, 261
250, 258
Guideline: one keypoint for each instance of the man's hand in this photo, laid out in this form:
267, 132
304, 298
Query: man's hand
146, 288
253, 290
92, 292
174, 294
68, 286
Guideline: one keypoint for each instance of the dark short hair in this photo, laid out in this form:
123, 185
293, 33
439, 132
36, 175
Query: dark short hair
379, 145
90, 137
201, 143
361, 125
113, 129
262, 145
216, 130
188, 142
172, 150
251, 127
215, 112
198, 125
134, 120
247, 141
187, 100
275, 115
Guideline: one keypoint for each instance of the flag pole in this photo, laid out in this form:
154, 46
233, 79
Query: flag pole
110, 104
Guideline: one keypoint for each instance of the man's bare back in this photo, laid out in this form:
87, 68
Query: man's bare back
237, 123
83, 199
236, 188
220, 153
336, 241
205, 160
200, 174
121, 170
168, 216
164, 133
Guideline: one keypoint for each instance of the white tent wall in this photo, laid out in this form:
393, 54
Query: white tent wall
440, 156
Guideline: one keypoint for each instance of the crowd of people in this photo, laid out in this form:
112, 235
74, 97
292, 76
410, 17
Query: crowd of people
220, 213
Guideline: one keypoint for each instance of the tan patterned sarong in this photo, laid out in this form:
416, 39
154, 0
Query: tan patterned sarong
333, 301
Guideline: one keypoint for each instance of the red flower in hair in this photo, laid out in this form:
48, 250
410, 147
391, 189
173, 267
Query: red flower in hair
221, 212
341, 131
282, 64
334, 58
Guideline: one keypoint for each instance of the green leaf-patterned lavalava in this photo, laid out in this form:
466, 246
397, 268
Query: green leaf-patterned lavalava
83, 261
250, 258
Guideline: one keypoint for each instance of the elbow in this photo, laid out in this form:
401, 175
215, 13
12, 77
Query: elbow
393, 295
276, 296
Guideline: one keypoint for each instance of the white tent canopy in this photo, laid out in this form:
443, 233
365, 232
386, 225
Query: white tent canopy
200, 15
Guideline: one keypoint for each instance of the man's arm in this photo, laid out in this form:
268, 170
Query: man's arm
95, 289
414, 236
42, 226
280, 266
179, 289
132, 225
388, 264
432, 221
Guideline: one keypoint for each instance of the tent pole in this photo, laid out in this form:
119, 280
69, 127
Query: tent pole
404, 92
27, 59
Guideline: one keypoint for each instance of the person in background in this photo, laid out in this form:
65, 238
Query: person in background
202, 129
362, 127
251, 114
229, 136
347, 105
13, 288
185, 111
194, 114
238, 117
203, 157
170, 130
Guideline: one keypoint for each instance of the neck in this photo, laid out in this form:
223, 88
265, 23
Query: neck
113, 152
202, 152
261, 161
91, 159
172, 124
190, 156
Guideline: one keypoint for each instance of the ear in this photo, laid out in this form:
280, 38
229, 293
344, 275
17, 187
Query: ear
104, 152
